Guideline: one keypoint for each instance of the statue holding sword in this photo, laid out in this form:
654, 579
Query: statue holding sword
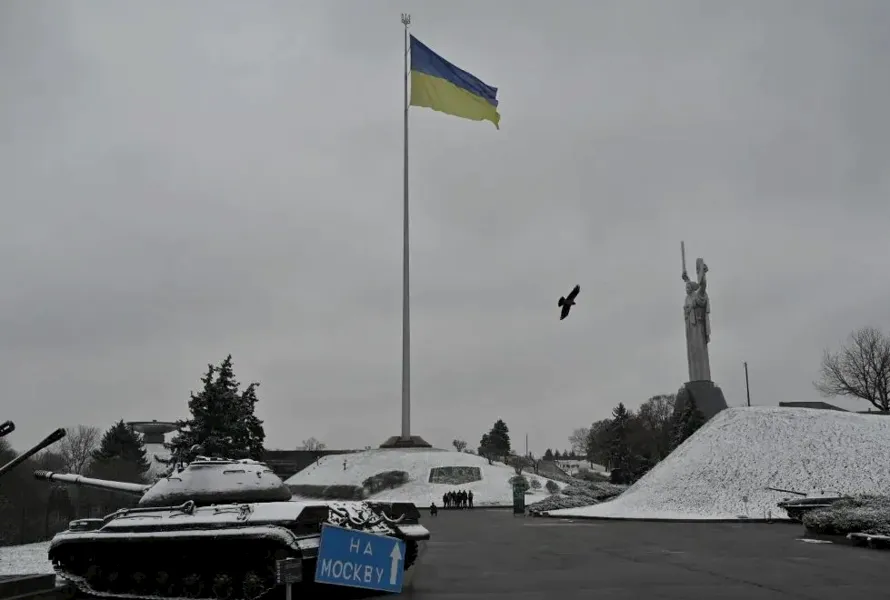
696, 311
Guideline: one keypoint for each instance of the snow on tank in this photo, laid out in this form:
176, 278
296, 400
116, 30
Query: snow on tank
203, 481
216, 528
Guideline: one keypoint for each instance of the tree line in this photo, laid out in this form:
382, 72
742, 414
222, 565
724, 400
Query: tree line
630, 443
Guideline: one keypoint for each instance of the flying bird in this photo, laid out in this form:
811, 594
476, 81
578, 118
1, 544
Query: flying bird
568, 302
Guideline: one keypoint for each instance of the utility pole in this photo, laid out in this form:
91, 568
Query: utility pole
747, 388
526, 444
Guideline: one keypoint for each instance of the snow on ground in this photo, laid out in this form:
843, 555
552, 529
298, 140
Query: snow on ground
741, 451
20, 560
493, 490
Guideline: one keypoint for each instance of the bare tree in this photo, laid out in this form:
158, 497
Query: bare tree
76, 448
598, 442
578, 440
655, 417
313, 445
459, 445
860, 369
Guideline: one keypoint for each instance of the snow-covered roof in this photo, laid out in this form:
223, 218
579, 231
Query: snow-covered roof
742, 451
493, 489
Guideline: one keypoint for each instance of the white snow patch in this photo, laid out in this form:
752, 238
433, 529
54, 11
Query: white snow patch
493, 490
741, 451
23, 560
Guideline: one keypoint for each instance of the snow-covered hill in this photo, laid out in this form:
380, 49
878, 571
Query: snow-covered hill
491, 488
742, 451
20, 560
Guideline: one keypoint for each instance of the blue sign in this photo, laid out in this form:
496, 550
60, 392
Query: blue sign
362, 560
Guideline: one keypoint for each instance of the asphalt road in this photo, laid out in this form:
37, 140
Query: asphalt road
492, 555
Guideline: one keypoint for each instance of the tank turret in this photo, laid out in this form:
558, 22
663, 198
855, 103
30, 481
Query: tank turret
203, 481
213, 528
49, 440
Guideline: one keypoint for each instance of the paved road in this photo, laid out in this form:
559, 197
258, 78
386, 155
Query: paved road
491, 555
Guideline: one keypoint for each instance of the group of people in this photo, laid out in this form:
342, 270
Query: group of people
458, 499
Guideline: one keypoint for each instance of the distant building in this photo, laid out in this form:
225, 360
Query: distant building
572, 467
817, 405
286, 463
827, 406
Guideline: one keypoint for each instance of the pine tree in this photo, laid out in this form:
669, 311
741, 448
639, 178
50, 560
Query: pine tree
223, 422
687, 422
619, 447
121, 454
557, 455
499, 437
548, 454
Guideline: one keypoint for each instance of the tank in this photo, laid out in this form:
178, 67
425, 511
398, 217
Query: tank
8, 427
804, 503
212, 528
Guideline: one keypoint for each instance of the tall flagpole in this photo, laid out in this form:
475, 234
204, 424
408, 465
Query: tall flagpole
406, 296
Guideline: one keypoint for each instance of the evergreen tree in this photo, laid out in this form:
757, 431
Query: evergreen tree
557, 455
619, 448
121, 454
548, 454
223, 422
689, 420
499, 438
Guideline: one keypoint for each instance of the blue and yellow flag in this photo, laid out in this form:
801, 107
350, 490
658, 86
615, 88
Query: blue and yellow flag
440, 85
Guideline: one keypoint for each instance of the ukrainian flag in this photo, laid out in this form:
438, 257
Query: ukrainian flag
441, 86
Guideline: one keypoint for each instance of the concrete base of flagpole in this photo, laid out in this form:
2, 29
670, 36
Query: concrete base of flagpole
397, 441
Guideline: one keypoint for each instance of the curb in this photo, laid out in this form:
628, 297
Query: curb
663, 520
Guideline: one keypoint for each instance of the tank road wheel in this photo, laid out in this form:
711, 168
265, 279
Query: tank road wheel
192, 586
252, 586
222, 586
162, 584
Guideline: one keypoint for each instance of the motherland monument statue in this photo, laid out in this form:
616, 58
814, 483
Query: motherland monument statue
697, 315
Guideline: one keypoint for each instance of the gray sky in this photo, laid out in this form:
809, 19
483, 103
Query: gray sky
181, 180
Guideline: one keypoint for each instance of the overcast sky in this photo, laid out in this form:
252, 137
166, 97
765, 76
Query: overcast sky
184, 180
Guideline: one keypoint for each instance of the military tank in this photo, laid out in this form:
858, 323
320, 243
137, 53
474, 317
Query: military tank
805, 503
8, 427
211, 528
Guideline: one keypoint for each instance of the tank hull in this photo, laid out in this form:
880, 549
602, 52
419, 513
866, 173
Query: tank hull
220, 551
799, 507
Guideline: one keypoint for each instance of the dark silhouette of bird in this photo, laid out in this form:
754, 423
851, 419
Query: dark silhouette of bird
568, 302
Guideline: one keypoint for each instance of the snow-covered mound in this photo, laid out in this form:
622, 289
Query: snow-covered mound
578, 494
429, 473
742, 451
22, 560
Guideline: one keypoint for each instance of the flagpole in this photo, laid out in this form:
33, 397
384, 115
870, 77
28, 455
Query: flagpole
406, 296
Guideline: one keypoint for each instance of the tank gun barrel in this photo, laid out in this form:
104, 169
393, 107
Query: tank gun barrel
6, 427
135, 489
774, 489
52, 438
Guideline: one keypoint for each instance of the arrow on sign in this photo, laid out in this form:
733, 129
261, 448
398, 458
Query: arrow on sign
396, 556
